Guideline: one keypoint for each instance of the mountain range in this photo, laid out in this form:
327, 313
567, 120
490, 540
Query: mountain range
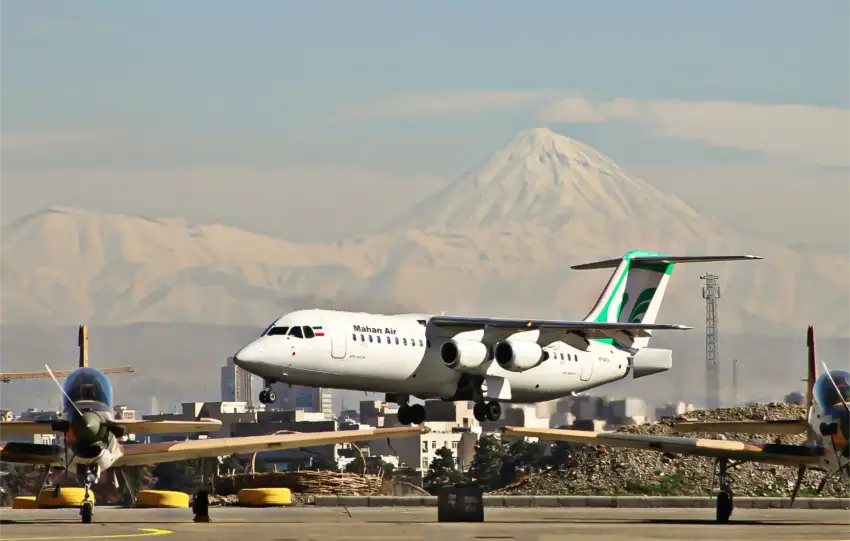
498, 241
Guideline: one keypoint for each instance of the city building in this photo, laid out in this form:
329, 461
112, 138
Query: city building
123, 413
309, 399
237, 385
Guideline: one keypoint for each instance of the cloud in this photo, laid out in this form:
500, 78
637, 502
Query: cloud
46, 141
453, 102
812, 135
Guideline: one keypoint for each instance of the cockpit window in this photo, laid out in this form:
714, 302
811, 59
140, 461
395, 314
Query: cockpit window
267, 329
279, 331
296, 332
829, 395
308, 332
87, 384
87, 392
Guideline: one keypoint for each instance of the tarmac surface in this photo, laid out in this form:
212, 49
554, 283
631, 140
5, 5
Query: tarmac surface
371, 524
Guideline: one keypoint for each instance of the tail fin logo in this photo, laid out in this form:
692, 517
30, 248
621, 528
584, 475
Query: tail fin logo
640, 308
641, 305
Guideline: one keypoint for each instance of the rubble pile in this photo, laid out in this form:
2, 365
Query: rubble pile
600, 470
303, 482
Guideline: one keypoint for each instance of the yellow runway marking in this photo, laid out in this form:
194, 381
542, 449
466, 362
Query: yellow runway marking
149, 532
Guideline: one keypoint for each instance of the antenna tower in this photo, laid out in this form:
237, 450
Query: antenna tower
711, 292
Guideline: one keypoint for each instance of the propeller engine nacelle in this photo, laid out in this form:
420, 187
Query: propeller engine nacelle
463, 355
519, 355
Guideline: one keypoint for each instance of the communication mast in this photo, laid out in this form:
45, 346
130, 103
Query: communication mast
711, 292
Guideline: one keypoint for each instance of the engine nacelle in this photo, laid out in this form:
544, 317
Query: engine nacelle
519, 355
463, 355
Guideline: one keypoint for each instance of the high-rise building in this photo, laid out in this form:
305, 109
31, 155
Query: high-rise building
236, 384
311, 399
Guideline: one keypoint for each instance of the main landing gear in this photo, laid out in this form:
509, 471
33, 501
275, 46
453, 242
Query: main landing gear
491, 411
408, 414
725, 502
267, 395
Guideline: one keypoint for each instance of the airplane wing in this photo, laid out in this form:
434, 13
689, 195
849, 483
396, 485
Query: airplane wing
17, 428
777, 426
783, 455
589, 329
7, 377
132, 427
170, 427
155, 453
29, 453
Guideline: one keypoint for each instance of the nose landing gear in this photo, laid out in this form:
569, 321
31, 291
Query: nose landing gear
87, 507
267, 395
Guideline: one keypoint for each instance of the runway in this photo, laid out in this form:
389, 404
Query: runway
372, 524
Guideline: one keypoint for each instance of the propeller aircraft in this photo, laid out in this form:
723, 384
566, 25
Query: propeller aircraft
827, 429
89, 437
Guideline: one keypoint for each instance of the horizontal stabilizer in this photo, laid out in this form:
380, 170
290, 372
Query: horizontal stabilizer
613, 263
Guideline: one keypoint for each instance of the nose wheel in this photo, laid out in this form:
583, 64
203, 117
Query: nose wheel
87, 507
267, 395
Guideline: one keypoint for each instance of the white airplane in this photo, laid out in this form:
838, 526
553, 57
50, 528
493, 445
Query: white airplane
451, 357
827, 429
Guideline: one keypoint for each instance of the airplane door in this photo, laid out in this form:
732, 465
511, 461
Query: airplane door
587, 361
338, 343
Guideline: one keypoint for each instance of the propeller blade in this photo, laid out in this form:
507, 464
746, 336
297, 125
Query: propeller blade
56, 381
826, 369
800, 472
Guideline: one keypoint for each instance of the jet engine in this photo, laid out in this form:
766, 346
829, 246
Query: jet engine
519, 355
463, 355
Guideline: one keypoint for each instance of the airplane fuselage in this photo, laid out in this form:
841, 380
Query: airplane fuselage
399, 354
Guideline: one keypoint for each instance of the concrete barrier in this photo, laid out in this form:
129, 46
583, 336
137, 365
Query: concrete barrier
626, 502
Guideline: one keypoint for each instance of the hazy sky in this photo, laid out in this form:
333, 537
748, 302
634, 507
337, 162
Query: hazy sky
268, 114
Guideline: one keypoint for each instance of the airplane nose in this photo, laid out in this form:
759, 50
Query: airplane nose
250, 356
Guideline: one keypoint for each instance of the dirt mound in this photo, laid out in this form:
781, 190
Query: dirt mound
596, 470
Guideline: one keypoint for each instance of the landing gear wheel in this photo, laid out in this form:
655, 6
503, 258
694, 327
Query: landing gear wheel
267, 396
87, 512
417, 414
724, 506
479, 411
405, 415
493, 410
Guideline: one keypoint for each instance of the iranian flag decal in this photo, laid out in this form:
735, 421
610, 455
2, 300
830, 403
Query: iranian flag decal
319, 331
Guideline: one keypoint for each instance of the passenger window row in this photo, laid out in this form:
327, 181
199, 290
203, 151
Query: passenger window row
389, 340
